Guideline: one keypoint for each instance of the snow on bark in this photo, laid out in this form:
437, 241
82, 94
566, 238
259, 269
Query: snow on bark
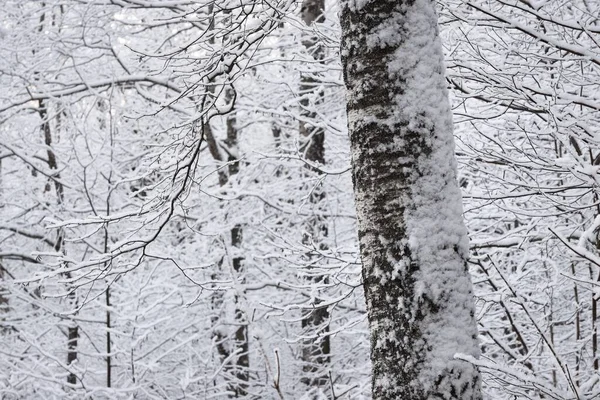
413, 241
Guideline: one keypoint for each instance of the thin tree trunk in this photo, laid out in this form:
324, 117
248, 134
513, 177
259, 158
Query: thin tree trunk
578, 354
227, 152
108, 340
107, 293
413, 241
594, 300
316, 348
73, 329
595, 324
3, 291
242, 372
3, 298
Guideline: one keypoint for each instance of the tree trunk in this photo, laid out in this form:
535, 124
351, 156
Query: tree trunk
316, 348
3, 290
227, 151
73, 329
242, 361
413, 241
3, 299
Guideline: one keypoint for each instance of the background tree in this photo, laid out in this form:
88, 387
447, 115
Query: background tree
128, 87
317, 348
145, 216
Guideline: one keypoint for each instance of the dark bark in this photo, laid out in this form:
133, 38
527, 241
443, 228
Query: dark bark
73, 330
316, 349
412, 239
242, 361
3, 298
108, 309
227, 151
108, 341
242, 364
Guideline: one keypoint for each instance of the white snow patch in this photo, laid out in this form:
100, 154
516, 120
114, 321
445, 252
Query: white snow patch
436, 233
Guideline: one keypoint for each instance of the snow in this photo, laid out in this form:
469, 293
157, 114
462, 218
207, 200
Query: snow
437, 235
357, 5
434, 227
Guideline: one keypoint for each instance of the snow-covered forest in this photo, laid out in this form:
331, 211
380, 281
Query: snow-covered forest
177, 211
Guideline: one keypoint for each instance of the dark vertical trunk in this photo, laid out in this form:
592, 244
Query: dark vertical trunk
3, 297
594, 299
227, 151
3, 290
241, 333
595, 326
108, 305
73, 334
73, 329
108, 341
316, 349
412, 238
577, 325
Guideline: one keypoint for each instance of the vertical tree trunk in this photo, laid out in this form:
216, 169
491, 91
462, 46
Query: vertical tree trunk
73, 329
316, 349
107, 293
413, 241
595, 325
108, 340
3, 298
242, 362
227, 151
3, 291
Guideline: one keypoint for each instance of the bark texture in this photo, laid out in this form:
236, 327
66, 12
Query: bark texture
239, 366
413, 241
316, 348
59, 244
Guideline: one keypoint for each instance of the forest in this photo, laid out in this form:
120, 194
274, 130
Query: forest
261, 199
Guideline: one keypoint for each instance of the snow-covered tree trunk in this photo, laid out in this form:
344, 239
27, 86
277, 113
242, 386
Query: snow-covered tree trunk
316, 351
413, 241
